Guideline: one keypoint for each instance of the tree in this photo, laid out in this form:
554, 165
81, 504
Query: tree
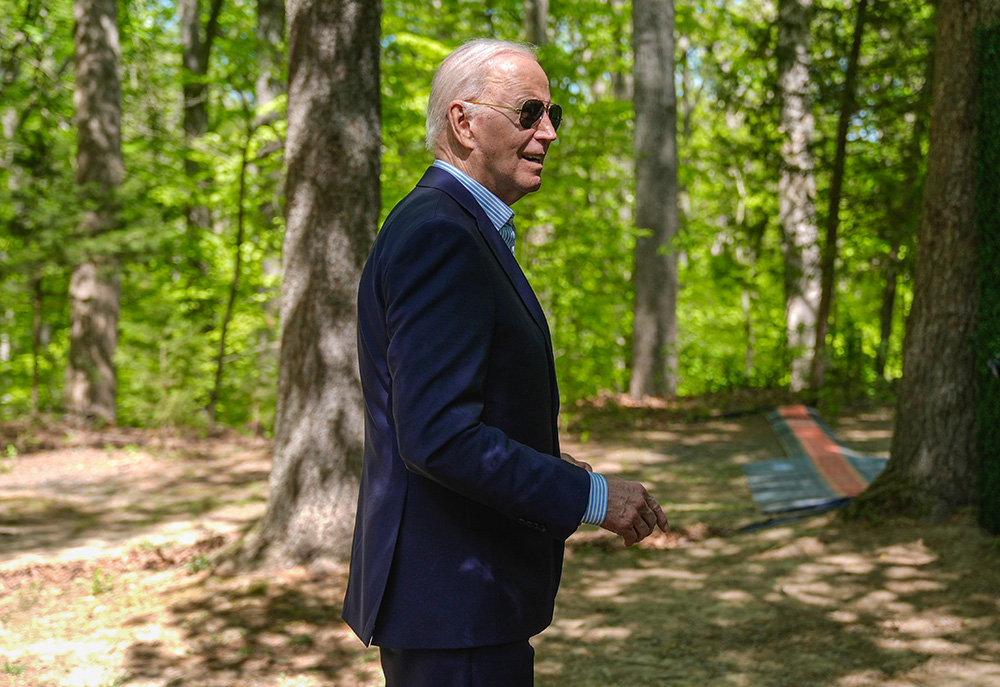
333, 202
536, 21
196, 48
933, 464
654, 333
988, 219
797, 187
94, 289
829, 252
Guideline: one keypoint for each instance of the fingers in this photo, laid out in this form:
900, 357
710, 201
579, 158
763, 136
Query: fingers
660, 516
632, 513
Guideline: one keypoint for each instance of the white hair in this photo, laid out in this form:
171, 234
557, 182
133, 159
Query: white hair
463, 76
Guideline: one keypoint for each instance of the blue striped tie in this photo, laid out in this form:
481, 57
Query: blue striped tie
508, 234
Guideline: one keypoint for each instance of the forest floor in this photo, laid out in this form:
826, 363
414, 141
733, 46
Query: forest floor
106, 578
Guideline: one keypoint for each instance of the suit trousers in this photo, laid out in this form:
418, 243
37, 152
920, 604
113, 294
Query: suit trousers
502, 665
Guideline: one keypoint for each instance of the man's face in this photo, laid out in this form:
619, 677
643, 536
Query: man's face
508, 159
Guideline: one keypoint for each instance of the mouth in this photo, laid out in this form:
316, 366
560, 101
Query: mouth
537, 159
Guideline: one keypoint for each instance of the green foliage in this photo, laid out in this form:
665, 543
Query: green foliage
988, 221
576, 236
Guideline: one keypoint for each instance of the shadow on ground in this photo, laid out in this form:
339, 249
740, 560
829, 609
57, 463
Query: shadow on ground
810, 602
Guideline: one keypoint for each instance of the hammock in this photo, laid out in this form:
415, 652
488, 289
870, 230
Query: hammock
819, 471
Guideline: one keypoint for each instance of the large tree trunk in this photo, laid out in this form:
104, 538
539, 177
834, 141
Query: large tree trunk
94, 291
829, 253
654, 333
988, 336
797, 188
333, 202
932, 468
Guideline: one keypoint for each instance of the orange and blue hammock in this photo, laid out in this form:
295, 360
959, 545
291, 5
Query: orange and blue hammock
819, 471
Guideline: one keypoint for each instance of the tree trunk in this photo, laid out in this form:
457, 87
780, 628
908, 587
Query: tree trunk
333, 203
932, 468
196, 47
270, 60
891, 274
536, 21
654, 334
904, 211
94, 291
37, 326
988, 219
797, 188
829, 253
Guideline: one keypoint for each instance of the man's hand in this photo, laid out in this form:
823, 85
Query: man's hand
632, 512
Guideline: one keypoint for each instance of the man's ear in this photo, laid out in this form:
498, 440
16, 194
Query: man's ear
461, 124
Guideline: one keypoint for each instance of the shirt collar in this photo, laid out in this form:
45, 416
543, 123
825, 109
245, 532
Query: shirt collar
498, 211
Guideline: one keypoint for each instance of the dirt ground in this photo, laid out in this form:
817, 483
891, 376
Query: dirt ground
106, 543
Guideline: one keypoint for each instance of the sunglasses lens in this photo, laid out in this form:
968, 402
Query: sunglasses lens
531, 112
555, 115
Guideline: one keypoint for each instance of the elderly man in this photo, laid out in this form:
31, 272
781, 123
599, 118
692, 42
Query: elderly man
465, 504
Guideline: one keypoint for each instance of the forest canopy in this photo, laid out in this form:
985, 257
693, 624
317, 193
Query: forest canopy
199, 223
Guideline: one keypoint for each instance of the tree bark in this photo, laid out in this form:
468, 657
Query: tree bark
94, 292
536, 21
797, 188
988, 223
332, 210
654, 333
196, 47
932, 469
829, 253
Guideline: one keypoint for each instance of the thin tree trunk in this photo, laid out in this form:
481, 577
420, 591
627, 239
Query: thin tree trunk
797, 188
891, 274
196, 48
333, 204
654, 334
829, 253
94, 291
37, 299
234, 286
902, 215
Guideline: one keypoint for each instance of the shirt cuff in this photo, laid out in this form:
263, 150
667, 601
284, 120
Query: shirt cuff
597, 507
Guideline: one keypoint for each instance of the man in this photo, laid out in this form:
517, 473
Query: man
465, 504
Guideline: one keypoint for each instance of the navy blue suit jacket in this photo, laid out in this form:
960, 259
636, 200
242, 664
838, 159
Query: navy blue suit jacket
464, 505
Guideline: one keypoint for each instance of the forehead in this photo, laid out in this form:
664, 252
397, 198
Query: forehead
517, 76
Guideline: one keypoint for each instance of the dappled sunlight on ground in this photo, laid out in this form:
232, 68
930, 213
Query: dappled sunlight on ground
120, 591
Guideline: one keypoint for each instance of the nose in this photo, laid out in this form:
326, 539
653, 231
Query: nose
544, 129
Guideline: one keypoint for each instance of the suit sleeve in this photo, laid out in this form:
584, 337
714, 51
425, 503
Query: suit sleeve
440, 317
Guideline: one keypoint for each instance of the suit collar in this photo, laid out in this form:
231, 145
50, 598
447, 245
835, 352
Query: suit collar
444, 181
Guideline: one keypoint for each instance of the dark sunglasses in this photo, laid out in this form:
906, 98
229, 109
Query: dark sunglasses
530, 112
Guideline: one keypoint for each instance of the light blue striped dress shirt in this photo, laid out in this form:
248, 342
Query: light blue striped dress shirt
499, 214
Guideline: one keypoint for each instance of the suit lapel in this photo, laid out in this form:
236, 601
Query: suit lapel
444, 181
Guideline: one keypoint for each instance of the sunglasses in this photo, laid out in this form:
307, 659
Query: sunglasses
530, 112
